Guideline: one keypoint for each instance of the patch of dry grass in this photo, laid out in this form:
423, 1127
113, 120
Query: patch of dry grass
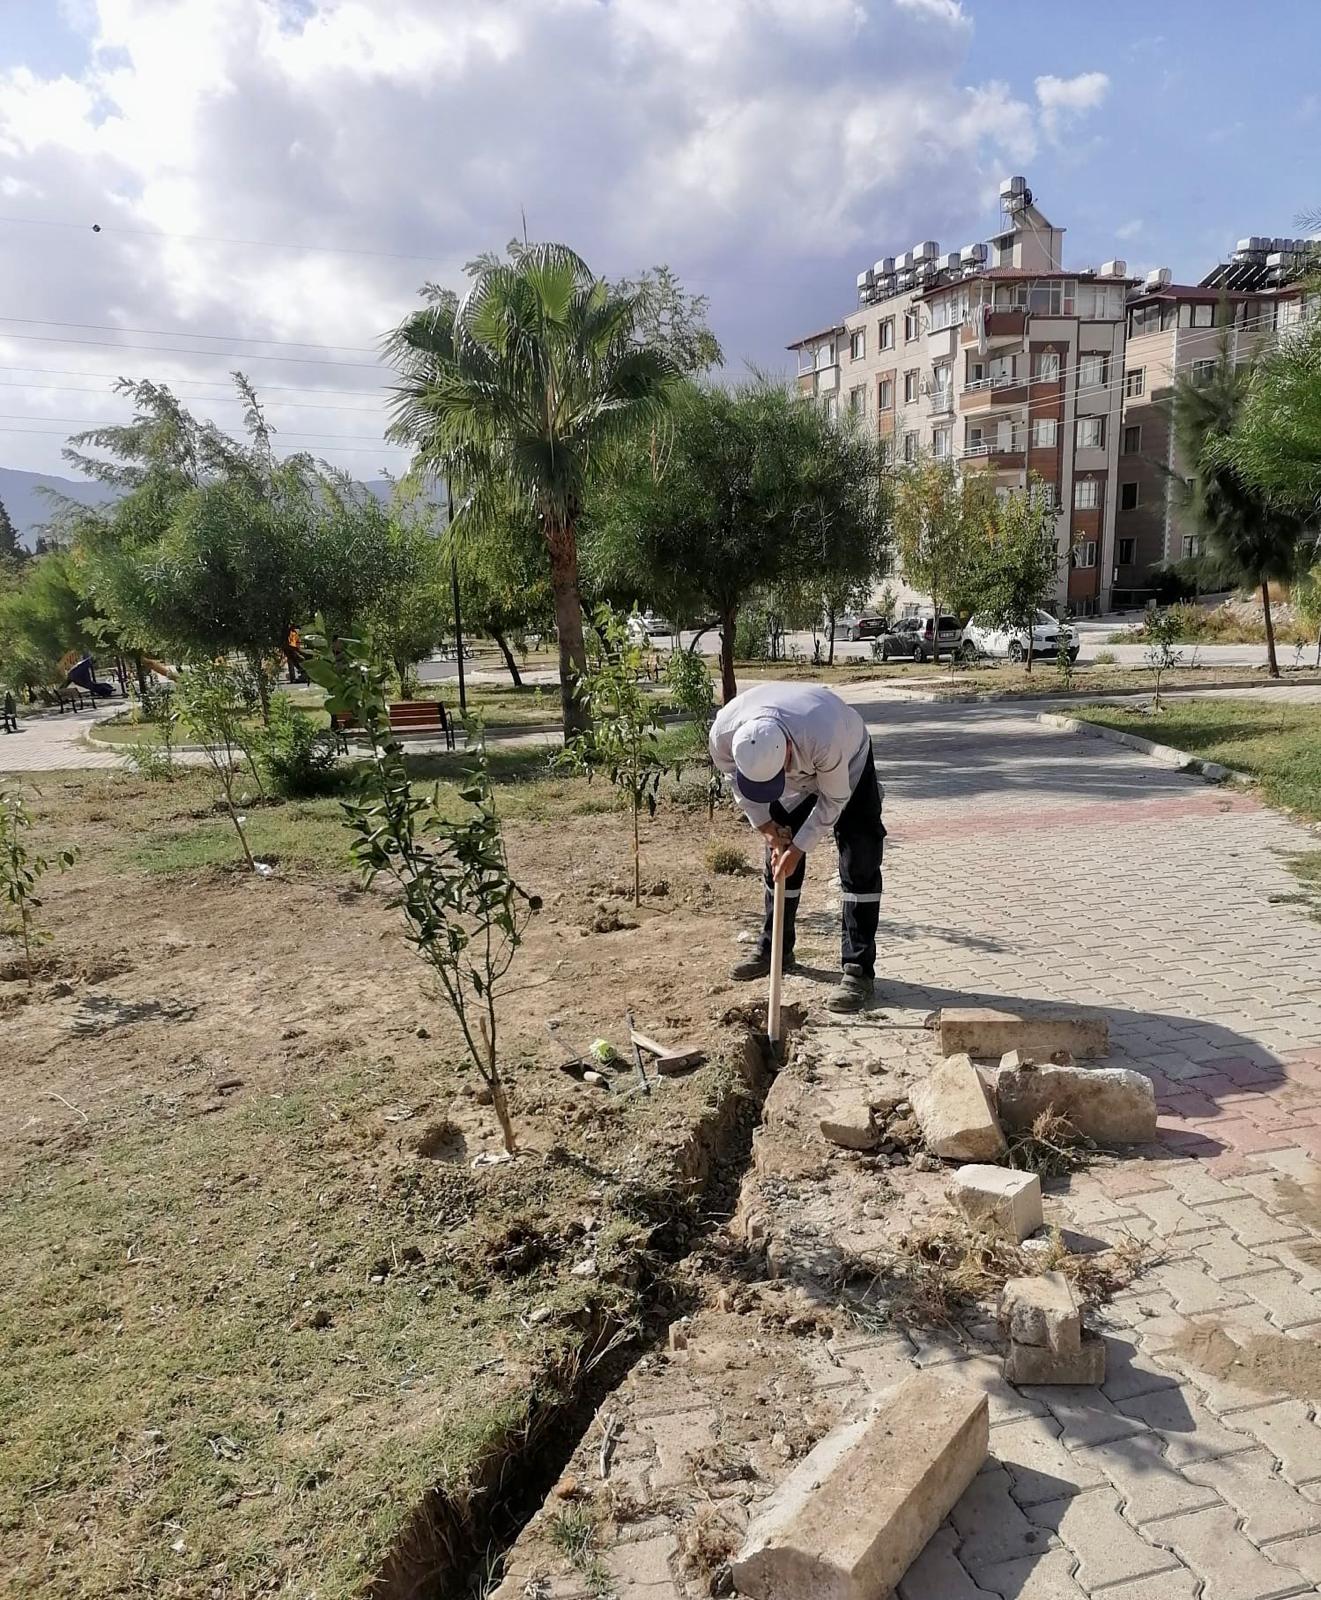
938, 1272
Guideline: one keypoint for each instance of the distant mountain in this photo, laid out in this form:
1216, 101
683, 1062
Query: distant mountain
30, 509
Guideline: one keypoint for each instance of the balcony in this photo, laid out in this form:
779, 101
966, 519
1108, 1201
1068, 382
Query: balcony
993, 450
942, 400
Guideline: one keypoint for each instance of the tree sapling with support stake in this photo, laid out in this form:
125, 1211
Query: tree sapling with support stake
466, 916
21, 870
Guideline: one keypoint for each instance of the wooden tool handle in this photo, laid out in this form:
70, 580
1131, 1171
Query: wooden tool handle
777, 964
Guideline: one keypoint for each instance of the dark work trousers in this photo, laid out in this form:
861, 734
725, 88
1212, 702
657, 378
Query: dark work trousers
860, 835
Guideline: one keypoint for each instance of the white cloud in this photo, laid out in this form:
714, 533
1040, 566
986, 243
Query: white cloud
1063, 99
1129, 230
765, 148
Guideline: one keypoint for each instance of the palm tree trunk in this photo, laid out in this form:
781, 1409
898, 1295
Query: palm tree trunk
728, 685
1272, 665
508, 654
563, 545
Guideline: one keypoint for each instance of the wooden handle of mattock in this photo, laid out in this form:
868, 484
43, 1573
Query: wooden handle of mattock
777, 964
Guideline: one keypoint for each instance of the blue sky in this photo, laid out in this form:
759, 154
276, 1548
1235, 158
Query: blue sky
765, 149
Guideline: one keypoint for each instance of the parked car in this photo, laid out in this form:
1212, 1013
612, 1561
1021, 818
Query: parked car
916, 637
644, 626
1011, 643
861, 625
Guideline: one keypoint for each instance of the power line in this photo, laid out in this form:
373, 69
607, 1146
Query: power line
366, 450
222, 383
95, 424
171, 350
188, 333
209, 238
211, 400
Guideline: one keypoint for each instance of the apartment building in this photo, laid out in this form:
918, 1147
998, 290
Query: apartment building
1177, 329
999, 358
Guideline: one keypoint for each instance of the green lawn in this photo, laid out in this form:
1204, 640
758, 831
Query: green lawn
1276, 742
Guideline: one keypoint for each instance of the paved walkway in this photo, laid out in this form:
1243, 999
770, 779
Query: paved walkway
1027, 864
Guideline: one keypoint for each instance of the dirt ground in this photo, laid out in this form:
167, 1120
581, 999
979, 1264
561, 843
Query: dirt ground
259, 1300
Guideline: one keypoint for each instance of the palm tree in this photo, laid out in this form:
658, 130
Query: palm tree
1259, 538
528, 384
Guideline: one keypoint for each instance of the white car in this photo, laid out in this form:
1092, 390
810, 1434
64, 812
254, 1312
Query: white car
1011, 643
645, 626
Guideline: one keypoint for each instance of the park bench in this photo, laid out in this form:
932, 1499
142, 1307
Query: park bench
421, 717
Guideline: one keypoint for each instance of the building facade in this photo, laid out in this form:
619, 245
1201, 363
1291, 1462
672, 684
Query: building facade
999, 359
1176, 330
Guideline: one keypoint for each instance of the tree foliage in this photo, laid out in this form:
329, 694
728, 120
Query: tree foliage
1013, 569
22, 869
623, 731
673, 321
1259, 538
1276, 439
44, 616
526, 387
940, 521
756, 491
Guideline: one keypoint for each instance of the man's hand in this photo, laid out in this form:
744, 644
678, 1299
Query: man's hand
784, 859
775, 833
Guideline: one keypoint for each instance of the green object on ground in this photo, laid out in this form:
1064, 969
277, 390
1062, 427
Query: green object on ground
604, 1051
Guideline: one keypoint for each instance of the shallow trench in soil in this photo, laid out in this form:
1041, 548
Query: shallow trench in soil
455, 1545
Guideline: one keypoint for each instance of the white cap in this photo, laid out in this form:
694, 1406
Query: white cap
759, 751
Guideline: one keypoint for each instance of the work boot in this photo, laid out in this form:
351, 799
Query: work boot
758, 966
855, 989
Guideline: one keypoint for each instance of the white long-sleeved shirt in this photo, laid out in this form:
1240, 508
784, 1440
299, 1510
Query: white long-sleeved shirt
828, 744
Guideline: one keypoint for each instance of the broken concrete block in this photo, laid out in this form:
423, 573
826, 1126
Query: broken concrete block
852, 1516
1041, 1310
1016, 1061
1009, 1201
847, 1121
985, 1032
955, 1113
1035, 1363
1113, 1105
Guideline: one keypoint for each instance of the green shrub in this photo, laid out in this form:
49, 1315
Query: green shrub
1105, 658
297, 756
730, 860
752, 634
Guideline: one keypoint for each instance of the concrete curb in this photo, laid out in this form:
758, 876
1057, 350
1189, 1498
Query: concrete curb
1165, 754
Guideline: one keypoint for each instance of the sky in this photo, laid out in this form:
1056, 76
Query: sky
273, 179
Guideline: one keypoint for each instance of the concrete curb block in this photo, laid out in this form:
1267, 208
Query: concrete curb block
1165, 754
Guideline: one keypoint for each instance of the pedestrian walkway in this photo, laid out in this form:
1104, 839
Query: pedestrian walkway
1025, 864
55, 742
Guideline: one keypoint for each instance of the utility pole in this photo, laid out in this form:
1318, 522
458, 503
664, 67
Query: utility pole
454, 589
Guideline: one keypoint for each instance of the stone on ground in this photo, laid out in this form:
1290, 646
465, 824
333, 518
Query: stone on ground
847, 1121
1036, 1363
1041, 1310
1113, 1105
955, 1114
981, 1031
1009, 1201
853, 1515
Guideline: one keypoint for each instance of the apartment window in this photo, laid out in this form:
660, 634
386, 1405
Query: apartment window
1204, 316
806, 359
1048, 366
885, 394
832, 408
858, 344
1044, 430
911, 386
1091, 373
1086, 494
942, 443
1135, 382
1128, 496
912, 447
885, 330
1290, 313
977, 373
858, 400
975, 441
912, 324
1192, 545
1127, 549
1084, 552
1046, 495
1132, 440
825, 354
1203, 371
1091, 433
